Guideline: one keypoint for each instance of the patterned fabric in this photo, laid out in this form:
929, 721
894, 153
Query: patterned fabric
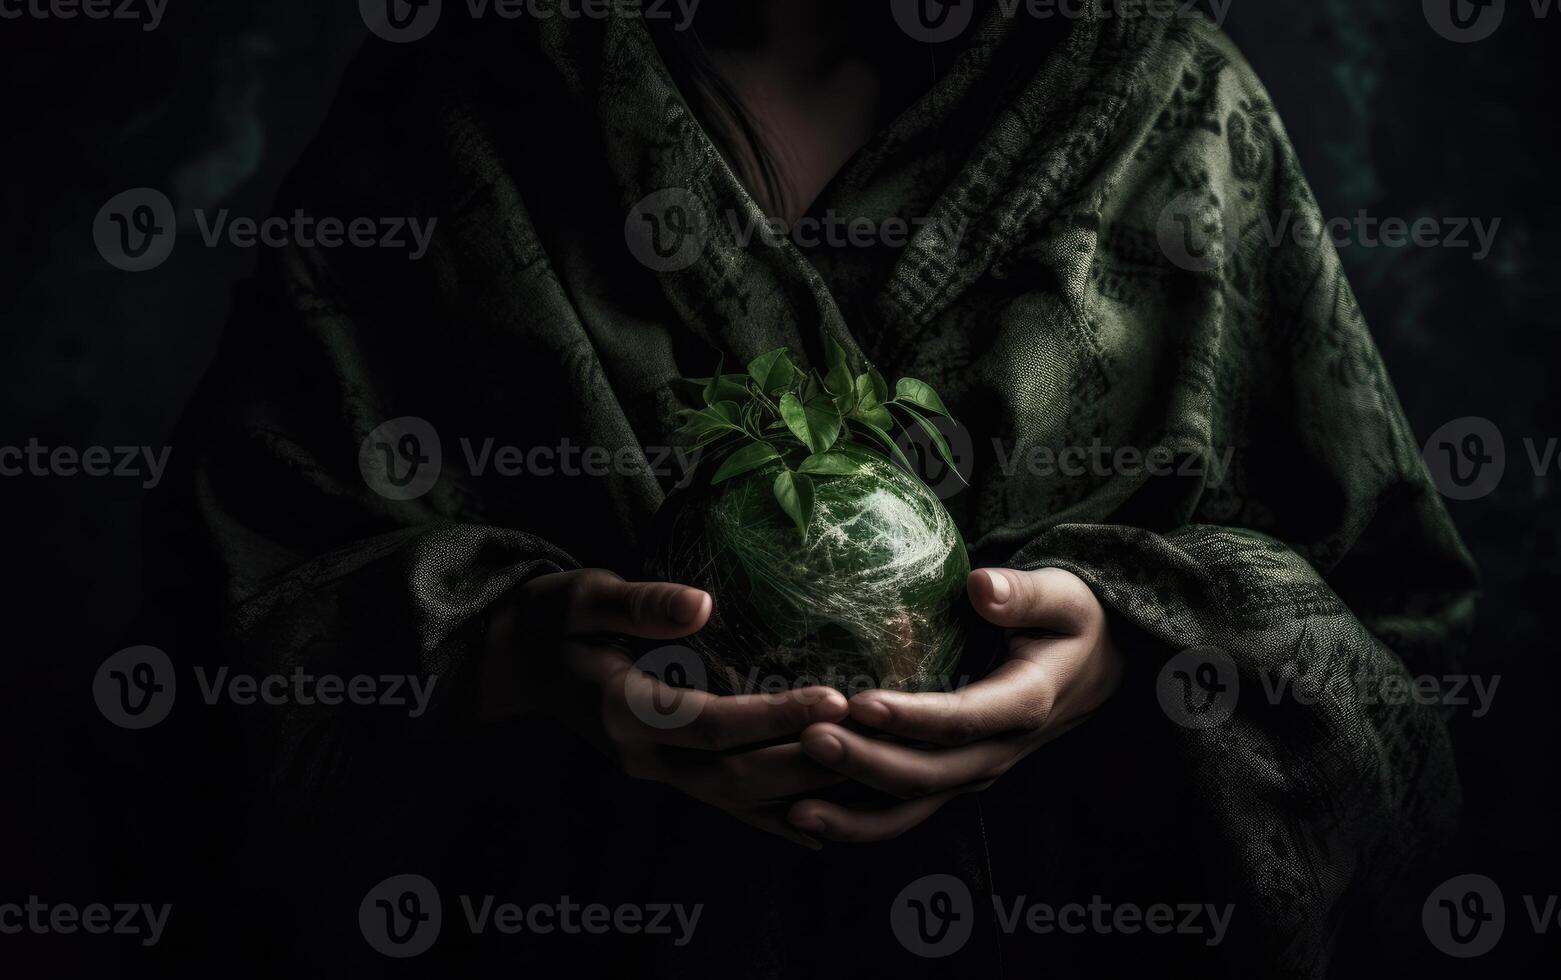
1092, 265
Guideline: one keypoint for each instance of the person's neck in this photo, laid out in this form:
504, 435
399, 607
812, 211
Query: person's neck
783, 36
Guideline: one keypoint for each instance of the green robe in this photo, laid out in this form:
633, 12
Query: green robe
1039, 295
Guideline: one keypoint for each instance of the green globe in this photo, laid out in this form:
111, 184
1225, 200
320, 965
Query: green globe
870, 595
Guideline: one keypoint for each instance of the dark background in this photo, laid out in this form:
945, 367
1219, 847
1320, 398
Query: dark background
213, 107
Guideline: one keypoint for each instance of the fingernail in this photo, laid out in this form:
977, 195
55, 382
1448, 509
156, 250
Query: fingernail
871, 711
808, 842
825, 748
1000, 587
687, 605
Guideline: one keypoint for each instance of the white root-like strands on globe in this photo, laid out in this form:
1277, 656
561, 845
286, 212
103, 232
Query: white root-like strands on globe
869, 597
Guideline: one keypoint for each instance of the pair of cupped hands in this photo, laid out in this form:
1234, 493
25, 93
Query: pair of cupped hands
760, 757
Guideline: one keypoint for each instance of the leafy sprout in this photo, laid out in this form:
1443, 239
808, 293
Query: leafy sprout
814, 426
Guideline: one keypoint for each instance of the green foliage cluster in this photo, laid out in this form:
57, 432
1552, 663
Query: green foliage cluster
814, 426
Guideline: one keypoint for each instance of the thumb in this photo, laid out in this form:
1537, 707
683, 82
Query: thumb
601, 602
1043, 599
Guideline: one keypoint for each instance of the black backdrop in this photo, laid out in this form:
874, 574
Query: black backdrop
215, 104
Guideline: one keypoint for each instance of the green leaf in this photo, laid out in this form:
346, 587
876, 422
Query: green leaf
773, 371
831, 464
816, 423
890, 444
920, 394
712, 389
876, 383
838, 380
726, 388
938, 441
877, 416
750, 457
708, 423
812, 387
869, 400
794, 493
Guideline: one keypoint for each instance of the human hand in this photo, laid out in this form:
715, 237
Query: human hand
1061, 666
558, 647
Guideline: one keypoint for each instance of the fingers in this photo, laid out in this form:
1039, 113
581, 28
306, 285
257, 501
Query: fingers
908, 773
833, 822
1047, 599
772, 820
1016, 697
776, 772
645, 709
743, 784
595, 601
